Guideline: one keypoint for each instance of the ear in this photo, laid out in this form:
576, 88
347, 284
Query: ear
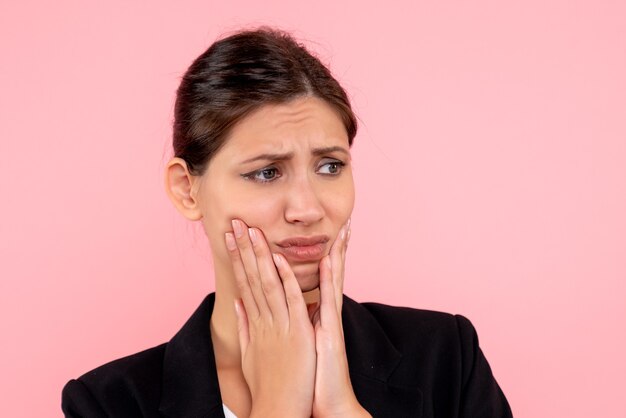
180, 187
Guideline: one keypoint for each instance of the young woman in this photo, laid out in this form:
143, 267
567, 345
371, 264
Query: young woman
262, 138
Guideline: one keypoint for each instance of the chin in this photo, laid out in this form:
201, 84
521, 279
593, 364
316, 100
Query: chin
308, 276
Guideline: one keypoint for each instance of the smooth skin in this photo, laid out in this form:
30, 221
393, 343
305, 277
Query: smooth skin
284, 171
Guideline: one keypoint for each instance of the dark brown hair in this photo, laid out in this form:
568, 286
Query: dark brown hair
239, 74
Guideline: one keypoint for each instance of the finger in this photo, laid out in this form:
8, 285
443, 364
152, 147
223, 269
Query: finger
341, 280
337, 260
328, 309
242, 327
270, 282
293, 294
250, 266
240, 276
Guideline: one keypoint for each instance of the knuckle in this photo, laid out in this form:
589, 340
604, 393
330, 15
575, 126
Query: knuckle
243, 243
283, 274
241, 285
253, 279
234, 254
280, 272
269, 286
255, 318
259, 250
292, 299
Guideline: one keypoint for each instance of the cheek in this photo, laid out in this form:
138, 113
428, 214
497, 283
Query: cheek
259, 211
340, 201
348, 203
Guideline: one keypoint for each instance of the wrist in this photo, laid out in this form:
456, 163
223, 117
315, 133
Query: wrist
274, 411
361, 413
358, 412
355, 410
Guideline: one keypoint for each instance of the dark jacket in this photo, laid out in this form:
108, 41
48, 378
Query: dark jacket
403, 363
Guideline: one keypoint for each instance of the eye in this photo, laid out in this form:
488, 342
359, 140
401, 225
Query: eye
264, 175
332, 167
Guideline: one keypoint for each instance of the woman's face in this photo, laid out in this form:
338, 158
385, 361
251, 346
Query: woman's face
286, 170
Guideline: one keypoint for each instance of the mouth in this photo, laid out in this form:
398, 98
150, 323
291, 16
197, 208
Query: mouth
304, 248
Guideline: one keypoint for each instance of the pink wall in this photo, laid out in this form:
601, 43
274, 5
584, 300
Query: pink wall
493, 144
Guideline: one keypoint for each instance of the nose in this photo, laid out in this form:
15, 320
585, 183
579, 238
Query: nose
303, 204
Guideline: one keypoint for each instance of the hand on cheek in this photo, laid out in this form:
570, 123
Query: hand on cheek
334, 395
293, 356
275, 333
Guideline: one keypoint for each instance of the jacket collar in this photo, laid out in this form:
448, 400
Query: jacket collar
372, 360
190, 385
370, 353
191, 388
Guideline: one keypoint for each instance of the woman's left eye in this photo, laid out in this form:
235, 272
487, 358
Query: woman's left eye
332, 167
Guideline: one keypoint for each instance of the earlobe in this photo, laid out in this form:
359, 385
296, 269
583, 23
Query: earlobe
179, 186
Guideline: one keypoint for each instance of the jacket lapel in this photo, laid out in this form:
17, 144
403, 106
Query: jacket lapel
191, 388
372, 359
190, 385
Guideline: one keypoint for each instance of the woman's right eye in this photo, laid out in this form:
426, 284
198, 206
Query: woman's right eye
264, 175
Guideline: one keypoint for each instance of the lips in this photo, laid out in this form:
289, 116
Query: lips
304, 248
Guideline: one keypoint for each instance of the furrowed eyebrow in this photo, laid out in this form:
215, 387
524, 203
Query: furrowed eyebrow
328, 150
289, 155
273, 157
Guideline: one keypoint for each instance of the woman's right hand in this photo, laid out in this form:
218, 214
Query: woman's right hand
276, 336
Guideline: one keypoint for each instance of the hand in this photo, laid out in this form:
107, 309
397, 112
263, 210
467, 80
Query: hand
334, 396
275, 333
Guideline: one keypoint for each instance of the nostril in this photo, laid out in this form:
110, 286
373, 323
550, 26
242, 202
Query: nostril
303, 206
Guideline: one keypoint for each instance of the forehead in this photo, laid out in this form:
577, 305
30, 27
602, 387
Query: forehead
301, 123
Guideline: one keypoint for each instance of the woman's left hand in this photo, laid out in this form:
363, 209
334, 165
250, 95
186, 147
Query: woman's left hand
334, 396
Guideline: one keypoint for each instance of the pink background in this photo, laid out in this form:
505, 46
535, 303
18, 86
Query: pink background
490, 170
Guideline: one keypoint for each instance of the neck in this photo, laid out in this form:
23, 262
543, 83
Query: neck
224, 333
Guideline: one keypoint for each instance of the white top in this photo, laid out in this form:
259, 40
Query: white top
228, 413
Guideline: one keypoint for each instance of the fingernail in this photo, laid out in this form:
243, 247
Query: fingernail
236, 306
348, 224
343, 233
230, 241
252, 234
238, 227
348, 239
277, 259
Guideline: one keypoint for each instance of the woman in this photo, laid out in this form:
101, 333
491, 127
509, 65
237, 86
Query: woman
262, 138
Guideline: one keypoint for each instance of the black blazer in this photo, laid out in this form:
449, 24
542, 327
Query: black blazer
403, 363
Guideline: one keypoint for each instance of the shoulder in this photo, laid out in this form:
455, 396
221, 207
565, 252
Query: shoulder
405, 326
439, 338
439, 353
425, 339
427, 342
128, 386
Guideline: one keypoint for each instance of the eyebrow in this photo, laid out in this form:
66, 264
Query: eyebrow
289, 155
